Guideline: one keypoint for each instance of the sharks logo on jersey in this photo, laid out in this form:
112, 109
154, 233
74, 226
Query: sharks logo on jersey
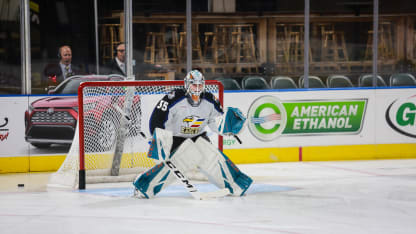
191, 124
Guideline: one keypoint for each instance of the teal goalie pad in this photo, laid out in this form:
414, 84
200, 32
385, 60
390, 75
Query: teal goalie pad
238, 177
153, 149
153, 181
232, 122
160, 145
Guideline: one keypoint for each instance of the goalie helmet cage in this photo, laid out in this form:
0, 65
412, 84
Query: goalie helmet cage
131, 96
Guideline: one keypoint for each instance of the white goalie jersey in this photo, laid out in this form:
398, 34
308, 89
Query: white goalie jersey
175, 113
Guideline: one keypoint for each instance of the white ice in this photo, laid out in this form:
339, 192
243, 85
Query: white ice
303, 197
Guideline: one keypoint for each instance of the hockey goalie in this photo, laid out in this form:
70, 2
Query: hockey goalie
180, 144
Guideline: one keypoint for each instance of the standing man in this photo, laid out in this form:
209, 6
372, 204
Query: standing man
118, 65
56, 73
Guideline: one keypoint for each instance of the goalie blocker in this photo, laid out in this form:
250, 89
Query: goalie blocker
190, 155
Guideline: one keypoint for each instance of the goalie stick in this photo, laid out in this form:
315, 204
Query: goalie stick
238, 139
191, 188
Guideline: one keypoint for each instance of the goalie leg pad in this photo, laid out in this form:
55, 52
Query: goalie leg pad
220, 170
153, 180
161, 144
185, 158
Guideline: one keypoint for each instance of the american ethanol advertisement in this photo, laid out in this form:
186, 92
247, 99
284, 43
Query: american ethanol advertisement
270, 118
317, 117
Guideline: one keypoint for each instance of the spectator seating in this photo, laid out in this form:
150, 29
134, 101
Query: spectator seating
229, 83
254, 82
402, 79
282, 82
338, 81
314, 82
366, 80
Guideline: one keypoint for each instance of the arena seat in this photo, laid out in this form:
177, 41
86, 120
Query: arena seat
402, 79
229, 83
338, 81
314, 82
254, 82
366, 80
282, 82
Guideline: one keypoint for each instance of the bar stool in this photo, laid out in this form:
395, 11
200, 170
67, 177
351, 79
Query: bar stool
156, 50
385, 43
211, 47
235, 44
296, 47
223, 42
328, 45
110, 34
387, 29
282, 43
172, 41
242, 39
333, 48
283, 47
296, 43
297, 30
196, 47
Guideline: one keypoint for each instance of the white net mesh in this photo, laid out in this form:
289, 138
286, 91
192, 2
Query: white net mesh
104, 105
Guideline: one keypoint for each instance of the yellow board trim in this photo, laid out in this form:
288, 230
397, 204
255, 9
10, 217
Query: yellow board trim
46, 163
14, 164
262, 155
241, 156
322, 153
358, 152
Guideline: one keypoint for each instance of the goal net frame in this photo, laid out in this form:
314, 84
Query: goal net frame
126, 84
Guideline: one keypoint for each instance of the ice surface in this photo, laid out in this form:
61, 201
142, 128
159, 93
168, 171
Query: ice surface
303, 197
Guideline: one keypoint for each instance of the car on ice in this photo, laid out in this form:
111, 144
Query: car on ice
53, 120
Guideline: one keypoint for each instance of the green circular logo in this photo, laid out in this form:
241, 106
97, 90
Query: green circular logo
266, 118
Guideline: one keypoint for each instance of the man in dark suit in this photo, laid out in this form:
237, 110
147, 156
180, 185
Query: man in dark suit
58, 72
118, 65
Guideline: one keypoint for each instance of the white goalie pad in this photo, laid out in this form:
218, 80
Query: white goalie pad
210, 165
162, 141
187, 156
220, 170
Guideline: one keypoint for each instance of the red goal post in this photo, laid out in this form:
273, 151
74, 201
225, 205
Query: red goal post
118, 98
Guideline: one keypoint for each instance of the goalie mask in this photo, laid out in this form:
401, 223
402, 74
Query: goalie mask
194, 85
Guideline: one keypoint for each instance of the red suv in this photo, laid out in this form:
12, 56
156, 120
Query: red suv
53, 120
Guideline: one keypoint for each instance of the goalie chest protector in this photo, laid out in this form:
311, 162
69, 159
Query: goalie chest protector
174, 113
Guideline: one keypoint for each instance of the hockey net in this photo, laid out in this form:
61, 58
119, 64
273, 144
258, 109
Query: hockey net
112, 137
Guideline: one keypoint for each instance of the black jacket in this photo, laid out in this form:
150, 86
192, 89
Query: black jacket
53, 73
113, 68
